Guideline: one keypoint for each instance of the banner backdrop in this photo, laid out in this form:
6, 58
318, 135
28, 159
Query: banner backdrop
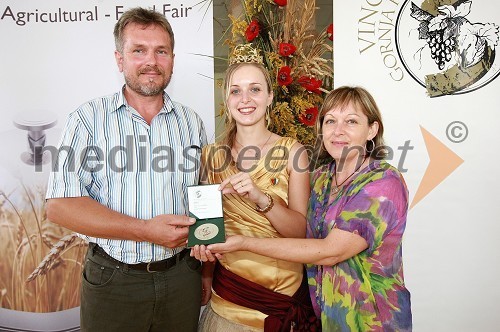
55, 56
433, 69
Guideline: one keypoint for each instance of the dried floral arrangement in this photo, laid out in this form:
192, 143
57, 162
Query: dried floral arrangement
299, 59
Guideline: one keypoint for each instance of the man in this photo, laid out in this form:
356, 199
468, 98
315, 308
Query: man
123, 166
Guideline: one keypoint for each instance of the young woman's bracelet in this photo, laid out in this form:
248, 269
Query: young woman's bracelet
268, 207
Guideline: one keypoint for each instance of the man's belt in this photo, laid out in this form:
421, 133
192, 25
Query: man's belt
157, 266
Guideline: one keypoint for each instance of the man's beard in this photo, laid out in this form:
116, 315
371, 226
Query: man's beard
148, 89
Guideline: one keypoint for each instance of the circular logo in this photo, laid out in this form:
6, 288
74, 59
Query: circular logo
448, 49
206, 232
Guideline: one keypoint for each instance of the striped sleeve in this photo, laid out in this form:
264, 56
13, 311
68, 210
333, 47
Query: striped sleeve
71, 176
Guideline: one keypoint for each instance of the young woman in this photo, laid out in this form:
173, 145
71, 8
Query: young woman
265, 182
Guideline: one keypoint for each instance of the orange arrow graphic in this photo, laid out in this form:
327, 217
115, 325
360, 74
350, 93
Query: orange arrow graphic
442, 162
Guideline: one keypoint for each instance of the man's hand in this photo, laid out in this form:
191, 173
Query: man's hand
207, 272
168, 230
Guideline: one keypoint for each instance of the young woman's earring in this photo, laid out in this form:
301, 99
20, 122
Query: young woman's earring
268, 116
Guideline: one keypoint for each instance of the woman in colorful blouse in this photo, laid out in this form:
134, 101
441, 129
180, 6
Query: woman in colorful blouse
356, 220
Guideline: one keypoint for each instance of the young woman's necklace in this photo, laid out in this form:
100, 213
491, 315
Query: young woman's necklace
336, 189
256, 151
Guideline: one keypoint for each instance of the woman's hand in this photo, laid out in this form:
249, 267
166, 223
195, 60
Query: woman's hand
242, 184
233, 243
214, 251
201, 253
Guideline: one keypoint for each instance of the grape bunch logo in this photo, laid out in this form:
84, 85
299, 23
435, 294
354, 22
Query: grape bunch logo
447, 48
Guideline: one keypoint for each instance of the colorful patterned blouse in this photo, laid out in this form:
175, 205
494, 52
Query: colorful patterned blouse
365, 292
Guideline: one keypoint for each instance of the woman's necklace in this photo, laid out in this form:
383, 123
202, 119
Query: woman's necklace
336, 189
256, 151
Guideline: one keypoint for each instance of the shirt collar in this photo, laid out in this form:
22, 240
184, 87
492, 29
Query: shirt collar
121, 102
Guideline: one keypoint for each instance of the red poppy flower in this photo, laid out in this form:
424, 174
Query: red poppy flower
280, 3
310, 84
284, 77
329, 31
252, 30
286, 49
309, 117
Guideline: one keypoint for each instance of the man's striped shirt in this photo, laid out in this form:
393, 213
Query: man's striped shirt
111, 154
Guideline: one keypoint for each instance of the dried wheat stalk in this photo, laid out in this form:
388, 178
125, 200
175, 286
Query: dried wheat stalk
20, 233
48, 262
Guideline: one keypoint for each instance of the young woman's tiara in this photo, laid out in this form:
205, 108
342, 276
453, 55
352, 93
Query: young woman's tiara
245, 53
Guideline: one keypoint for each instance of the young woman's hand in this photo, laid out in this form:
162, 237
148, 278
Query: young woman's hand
201, 253
242, 184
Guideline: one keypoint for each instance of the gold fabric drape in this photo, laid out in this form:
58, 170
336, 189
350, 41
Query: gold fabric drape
240, 217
